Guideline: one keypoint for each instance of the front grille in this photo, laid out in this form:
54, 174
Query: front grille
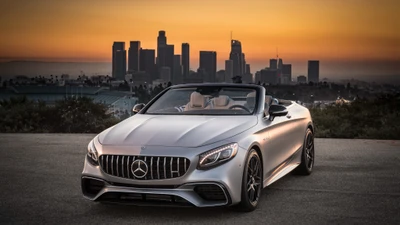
158, 168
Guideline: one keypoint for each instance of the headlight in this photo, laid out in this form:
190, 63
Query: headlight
92, 154
217, 156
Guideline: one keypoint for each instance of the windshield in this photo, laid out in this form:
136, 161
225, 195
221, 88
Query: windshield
206, 100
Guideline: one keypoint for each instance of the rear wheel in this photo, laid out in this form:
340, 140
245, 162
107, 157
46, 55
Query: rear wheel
307, 157
251, 183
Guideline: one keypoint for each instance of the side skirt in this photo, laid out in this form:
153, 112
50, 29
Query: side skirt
286, 167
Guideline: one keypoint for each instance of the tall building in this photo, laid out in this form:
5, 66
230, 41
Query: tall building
147, 63
208, 64
313, 71
134, 56
273, 64
177, 68
169, 57
118, 60
161, 42
280, 64
269, 76
165, 74
286, 75
228, 71
248, 69
237, 58
185, 59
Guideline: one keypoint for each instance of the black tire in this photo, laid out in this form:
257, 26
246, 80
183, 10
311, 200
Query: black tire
252, 183
307, 156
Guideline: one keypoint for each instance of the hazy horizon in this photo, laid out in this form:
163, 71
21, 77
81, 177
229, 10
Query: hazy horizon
333, 71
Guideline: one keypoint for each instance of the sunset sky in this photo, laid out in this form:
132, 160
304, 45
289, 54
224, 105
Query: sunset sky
84, 30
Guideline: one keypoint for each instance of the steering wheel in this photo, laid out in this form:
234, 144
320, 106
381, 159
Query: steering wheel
240, 106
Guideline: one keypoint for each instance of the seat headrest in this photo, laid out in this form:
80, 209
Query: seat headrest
197, 100
251, 94
221, 100
251, 99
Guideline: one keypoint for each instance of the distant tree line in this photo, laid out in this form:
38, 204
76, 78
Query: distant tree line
362, 118
71, 115
370, 119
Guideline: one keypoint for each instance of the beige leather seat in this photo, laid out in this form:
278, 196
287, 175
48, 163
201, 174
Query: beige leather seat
250, 100
197, 101
222, 102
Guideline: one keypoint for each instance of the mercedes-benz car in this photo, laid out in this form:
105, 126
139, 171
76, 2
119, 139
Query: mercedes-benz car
200, 145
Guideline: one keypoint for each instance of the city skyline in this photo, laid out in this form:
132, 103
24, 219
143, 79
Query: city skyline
353, 33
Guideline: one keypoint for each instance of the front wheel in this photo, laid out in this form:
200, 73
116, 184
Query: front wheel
251, 183
307, 157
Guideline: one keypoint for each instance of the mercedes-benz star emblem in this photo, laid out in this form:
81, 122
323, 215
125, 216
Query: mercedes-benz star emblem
139, 168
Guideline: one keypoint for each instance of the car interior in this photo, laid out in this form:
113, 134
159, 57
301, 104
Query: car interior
199, 101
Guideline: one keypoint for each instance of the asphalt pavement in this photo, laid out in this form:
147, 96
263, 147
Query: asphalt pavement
354, 182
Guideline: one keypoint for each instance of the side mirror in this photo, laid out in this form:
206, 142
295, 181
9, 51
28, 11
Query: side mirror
138, 107
277, 110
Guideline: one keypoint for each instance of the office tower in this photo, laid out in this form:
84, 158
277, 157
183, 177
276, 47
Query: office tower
165, 73
313, 71
185, 59
228, 71
237, 57
134, 56
273, 64
118, 60
286, 74
269, 76
161, 42
147, 63
208, 64
177, 68
280, 64
247, 69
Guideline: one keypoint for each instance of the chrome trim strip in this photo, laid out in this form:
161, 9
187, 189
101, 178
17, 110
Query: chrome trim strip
165, 168
145, 177
117, 166
151, 167
185, 165
158, 167
112, 165
107, 164
123, 166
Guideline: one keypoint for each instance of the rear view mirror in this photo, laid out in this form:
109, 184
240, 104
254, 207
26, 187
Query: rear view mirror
138, 107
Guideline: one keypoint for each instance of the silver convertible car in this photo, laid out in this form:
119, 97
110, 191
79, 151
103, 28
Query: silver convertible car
200, 145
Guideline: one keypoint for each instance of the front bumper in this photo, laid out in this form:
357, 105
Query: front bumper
218, 186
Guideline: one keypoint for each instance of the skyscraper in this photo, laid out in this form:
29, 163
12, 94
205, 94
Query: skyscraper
118, 60
228, 71
161, 42
169, 57
208, 64
280, 64
237, 58
185, 59
147, 62
313, 71
134, 56
286, 75
273, 64
177, 68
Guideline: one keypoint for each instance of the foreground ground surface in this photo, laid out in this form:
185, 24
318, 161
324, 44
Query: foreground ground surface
354, 182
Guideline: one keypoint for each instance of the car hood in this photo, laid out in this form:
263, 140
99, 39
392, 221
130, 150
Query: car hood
178, 131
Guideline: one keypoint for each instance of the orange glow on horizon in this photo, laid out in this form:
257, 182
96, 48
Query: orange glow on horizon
310, 29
